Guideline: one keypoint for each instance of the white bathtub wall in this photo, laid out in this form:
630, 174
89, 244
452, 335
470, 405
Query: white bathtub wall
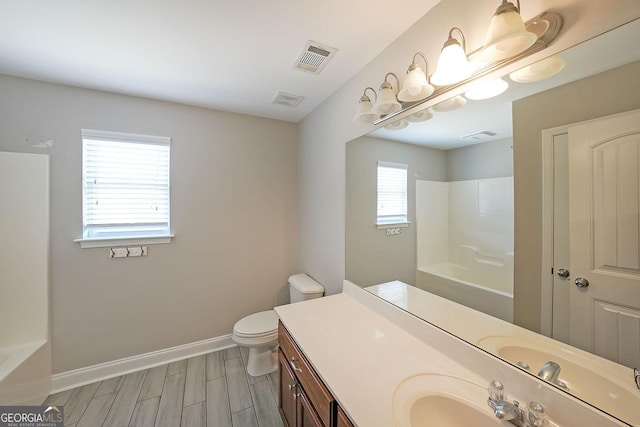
432, 218
24, 252
25, 349
481, 214
481, 230
468, 224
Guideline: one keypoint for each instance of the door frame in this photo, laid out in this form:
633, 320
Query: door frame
546, 290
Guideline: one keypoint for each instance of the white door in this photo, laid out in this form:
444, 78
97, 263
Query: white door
604, 200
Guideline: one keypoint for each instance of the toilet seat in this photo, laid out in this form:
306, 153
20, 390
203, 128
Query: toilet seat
258, 325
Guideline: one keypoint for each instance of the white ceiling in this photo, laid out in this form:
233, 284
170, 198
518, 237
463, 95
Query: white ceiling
222, 54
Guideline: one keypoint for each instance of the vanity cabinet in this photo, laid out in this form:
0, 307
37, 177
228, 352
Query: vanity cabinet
304, 400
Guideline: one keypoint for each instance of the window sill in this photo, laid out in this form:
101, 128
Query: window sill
393, 225
123, 241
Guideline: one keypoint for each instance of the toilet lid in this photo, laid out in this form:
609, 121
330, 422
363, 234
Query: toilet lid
262, 323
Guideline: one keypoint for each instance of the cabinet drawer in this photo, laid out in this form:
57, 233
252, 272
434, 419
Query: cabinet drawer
315, 390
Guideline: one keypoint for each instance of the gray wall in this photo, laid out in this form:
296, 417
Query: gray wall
492, 159
372, 256
234, 215
608, 93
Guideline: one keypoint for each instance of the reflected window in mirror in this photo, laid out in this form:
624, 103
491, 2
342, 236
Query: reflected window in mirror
392, 194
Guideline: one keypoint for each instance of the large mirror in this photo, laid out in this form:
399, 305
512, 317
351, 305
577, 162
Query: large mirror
458, 241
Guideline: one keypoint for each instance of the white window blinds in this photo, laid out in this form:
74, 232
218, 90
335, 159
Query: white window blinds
392, 193
125, 185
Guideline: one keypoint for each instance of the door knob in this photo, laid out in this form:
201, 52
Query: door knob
581, 282
563, 272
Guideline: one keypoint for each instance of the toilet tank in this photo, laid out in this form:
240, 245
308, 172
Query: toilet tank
303, 287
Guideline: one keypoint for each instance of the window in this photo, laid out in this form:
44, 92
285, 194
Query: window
125, 186
392, 194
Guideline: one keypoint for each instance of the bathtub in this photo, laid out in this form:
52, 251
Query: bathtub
25, 373
475, 289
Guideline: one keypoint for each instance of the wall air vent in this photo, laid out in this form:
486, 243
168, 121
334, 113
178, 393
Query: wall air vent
287, 99
478, 136
314, 57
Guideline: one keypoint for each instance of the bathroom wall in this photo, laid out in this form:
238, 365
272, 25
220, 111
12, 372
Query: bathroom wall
493, 159
374, 257
234, 213
607, 93
323, 133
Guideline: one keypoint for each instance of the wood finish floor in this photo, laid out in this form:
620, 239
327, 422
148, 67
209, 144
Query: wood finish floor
211, 390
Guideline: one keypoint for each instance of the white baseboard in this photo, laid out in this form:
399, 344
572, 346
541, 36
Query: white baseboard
90, 374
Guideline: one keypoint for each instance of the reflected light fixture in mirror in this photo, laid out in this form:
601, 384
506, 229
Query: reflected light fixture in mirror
364, 114
415, 86
398, 124
387, 102
453, 65
507, 35
486, 90
420, 116
539, 70
450, 104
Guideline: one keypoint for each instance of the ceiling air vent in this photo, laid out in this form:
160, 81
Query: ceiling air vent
287, 99
478, 136
314, 57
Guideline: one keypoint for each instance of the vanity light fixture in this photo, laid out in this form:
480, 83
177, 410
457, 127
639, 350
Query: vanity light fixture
454, 69
486, 90
415, 86
453, 65
507, 35
387, 102
364, 114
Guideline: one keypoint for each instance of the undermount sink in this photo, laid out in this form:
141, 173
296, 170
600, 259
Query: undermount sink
441, 400
607, 385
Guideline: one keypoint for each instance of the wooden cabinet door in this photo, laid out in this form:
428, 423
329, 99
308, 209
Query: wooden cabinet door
307, 416
287, 392
343, 420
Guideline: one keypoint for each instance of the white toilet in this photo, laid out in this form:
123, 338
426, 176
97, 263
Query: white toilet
259, 331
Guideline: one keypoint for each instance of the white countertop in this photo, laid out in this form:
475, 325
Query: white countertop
363, 348
360, 355
608, 385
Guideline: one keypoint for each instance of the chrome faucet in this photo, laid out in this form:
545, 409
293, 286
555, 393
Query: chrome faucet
504, 410
550, 372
